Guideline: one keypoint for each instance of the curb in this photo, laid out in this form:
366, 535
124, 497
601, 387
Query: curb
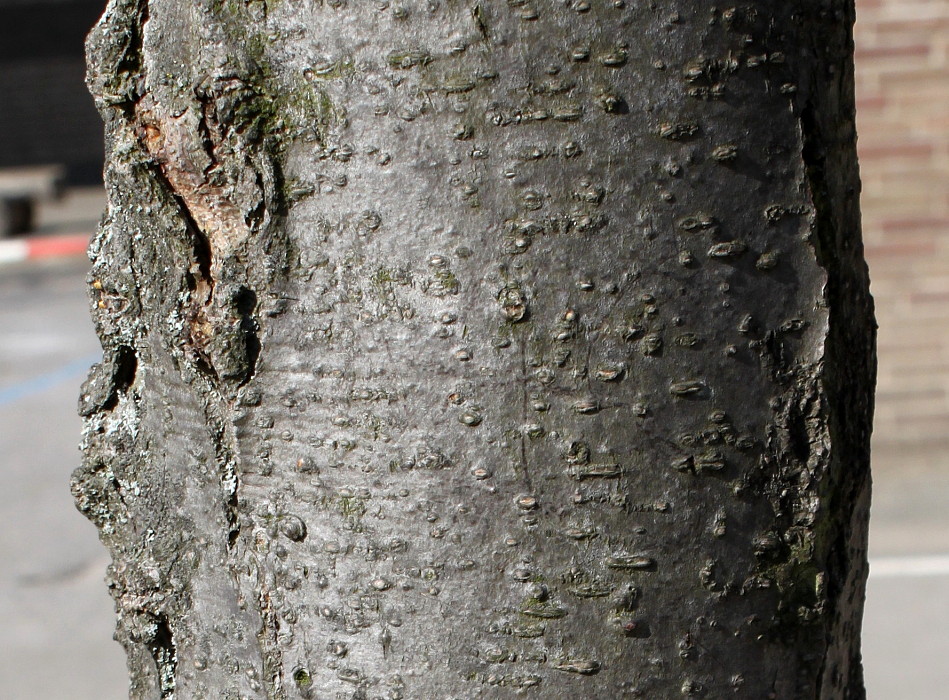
39, 247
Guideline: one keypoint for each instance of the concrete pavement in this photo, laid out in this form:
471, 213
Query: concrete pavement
56, 612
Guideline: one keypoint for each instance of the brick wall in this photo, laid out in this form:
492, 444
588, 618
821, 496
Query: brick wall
902, 71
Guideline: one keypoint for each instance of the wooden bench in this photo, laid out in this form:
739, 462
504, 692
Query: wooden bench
20, 189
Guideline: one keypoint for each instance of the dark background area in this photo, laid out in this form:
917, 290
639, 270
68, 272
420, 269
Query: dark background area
46, 114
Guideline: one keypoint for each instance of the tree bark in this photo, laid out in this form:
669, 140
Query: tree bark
459, 349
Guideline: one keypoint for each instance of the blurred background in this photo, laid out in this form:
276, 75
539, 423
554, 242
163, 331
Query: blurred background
56, 612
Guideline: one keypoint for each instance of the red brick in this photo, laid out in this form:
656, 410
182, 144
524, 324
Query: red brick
923, 223
895, 150
938, 423
900, 249
869, 102
913, 82
916, 338
909, 395
916, 26
929, 298
928, 368
864, 53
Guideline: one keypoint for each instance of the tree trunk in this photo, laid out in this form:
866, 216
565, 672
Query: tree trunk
460, 349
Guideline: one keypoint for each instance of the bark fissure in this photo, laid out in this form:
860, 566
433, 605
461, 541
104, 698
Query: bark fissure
162, 648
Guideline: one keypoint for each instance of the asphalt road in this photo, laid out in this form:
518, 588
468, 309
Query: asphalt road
56, 615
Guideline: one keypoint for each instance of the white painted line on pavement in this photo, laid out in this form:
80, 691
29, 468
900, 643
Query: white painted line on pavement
910, 567
13, 251
52, 246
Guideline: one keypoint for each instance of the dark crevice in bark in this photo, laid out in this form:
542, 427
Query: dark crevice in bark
162, 649
201, 245
255, 218
268, 636
229, 480
775, 357
233, 521
108, 380
789, 472
245, 302
198, 276
126, 365
799, 434
204, 130
204, 366
813, 154
131, 63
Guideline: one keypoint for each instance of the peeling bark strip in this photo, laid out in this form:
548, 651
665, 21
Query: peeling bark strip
480, 349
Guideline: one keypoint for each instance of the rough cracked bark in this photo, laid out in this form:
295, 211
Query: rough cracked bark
480, 349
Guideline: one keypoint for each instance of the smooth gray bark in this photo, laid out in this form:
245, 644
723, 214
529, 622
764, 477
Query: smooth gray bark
462, 349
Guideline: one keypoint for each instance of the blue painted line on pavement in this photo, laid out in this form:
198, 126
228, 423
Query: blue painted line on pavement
22, 390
